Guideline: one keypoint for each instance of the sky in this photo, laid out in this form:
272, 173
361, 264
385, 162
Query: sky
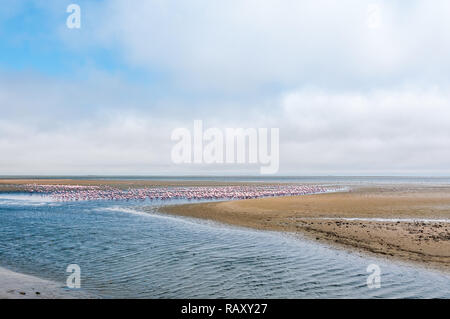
355, 87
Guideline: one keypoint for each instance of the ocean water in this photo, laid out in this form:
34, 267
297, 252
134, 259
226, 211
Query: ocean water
125, 252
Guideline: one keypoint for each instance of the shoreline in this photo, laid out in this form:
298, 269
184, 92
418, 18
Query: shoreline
383, 221
14, 285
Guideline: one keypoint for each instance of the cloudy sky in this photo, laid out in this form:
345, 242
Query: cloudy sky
355, 87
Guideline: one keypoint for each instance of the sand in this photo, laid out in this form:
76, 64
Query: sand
322, 217
14, 285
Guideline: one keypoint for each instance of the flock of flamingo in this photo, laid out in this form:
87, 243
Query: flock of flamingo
87, 193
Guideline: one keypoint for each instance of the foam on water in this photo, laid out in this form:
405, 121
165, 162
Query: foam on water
26, 197
19, 199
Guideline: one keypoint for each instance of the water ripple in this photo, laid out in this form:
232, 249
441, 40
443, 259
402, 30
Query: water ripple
126, 253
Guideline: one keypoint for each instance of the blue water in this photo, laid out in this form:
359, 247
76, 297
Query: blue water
127, 253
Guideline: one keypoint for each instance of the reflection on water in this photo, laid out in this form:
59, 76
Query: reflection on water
127, 253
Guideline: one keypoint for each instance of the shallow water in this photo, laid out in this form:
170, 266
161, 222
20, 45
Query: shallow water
125, 252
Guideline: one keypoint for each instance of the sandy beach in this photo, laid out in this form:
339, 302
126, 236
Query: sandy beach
403, 221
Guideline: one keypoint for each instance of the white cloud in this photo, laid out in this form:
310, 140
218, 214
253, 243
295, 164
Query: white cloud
392, 131
240, 45
400, 130
347, 97
121, 145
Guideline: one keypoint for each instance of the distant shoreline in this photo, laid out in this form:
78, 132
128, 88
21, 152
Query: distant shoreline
11, 185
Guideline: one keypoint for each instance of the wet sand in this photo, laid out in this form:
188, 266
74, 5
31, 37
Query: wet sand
322, 217
20, 286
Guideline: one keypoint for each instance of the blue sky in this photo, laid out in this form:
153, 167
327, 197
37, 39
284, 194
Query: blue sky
354, 90
34, 38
